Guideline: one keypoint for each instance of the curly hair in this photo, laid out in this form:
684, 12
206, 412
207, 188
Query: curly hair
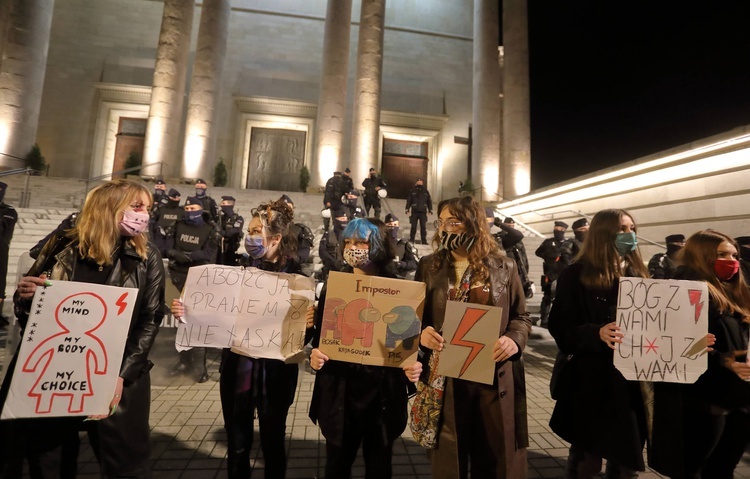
467, 210
277, 219
97, 229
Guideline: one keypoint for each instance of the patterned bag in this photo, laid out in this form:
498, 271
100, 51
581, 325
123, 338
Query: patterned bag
427, 406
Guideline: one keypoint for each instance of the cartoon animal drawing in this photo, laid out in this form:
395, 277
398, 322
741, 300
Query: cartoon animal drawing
63, 361
332, 318
357, 321
403, 324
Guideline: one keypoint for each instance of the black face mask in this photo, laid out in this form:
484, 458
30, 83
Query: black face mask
394, 233
173, 203
672, 249
227, 209
159, 193
580, 235
338, 227
559, 235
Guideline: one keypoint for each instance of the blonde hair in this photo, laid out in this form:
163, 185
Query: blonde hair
97, 228
699, 255
599, 257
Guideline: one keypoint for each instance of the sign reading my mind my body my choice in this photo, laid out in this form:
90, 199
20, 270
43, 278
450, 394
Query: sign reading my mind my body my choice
372, 320
665, 323
256, 313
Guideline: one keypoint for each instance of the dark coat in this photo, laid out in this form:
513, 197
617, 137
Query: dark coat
551, 252
123, 436
717, 391
597, 410
507, 293
343, 390
419, 200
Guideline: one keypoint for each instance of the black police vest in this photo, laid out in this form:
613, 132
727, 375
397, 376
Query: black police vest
169, 216
191, 237
332, 244
400, 248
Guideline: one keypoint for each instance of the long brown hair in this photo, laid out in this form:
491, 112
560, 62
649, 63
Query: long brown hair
474, 218
278, 218
600, 259
699, 255
97, 228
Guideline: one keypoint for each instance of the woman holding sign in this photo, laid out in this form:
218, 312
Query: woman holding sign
250, 384
702, 429
598, 412
353, 403
108, 245
483, 429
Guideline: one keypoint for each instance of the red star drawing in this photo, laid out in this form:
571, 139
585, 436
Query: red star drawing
651, 346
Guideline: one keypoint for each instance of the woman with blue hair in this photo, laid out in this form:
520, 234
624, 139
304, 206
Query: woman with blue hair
354, 403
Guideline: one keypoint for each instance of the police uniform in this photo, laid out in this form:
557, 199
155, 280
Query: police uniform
420, 203
551, 252
407, 258
209, 204
8, 219
372, 200
159, 198
230, 229
163, 220
663, 265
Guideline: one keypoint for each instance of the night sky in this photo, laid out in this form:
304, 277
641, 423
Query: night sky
615, 81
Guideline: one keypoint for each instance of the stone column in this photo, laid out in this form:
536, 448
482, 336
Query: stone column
516, 129
366, 124
332, 99
168, 91
485, 166
205, 84
24, 63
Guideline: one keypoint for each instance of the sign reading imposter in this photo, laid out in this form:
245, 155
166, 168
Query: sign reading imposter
71, 350
256, 313
372, 320
665, 323
470, 332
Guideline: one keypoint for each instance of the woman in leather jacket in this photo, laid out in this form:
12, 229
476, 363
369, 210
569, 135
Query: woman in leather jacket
353, 403
267, 385
483, 430
702, 429
108, 245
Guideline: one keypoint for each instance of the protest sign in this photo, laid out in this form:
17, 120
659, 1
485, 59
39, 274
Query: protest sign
71, 351
256, 313
372, 320
470, 332
665, 323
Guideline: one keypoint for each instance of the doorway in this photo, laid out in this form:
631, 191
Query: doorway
403, 162
131, 136
276, 158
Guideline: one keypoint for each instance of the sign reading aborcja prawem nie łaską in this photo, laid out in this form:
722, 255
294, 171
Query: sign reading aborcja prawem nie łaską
665, 323
256, 313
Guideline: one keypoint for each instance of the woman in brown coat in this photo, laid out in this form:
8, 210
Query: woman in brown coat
483, 430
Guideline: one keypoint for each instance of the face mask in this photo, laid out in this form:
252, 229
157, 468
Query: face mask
173, 203
254, 246
356, 258
227, 209
580, 235
133, 223
159, 193
394, 233
558, 235
419, 187
200, 192
725, 269
672, 249
373, 175
454, 241
625, 243
194, 217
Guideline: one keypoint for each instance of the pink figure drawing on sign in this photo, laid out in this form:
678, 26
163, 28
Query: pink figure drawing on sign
63, 361
358, 318
332, 318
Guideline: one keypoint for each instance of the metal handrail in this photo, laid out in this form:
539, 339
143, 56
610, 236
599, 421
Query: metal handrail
107, 175
25, 194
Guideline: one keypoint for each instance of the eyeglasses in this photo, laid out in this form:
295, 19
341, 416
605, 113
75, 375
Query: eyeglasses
449, 226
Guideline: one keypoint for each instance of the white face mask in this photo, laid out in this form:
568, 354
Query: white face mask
356, 258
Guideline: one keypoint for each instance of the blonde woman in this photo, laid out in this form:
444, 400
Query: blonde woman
108, 245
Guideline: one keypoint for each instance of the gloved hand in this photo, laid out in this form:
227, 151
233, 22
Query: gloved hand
179, 256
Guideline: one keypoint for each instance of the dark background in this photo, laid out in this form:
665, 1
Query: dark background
615, 81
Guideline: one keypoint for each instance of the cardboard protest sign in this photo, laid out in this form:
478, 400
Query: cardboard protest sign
256, 313
71, 351
372, 320
470, 332
665, 323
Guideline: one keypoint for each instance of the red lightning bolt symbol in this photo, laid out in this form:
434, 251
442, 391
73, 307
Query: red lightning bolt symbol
695, 297
470, 318
121, 303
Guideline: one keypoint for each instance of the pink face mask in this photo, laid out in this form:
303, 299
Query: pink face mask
133, 223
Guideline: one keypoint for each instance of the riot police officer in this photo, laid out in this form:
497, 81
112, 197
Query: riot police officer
164, 218
194, 241
329, 244
160, 196
550, 251
230, 229
372, 185
406, 253
208, 203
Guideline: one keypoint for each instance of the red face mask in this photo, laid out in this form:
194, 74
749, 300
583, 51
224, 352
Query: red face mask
725, 269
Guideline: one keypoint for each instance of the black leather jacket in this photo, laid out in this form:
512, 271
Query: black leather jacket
130, 271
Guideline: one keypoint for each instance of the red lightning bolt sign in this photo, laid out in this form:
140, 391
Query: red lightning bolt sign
695, 300
470, 318
121, 303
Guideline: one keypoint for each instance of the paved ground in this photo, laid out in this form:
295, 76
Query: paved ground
189, 440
